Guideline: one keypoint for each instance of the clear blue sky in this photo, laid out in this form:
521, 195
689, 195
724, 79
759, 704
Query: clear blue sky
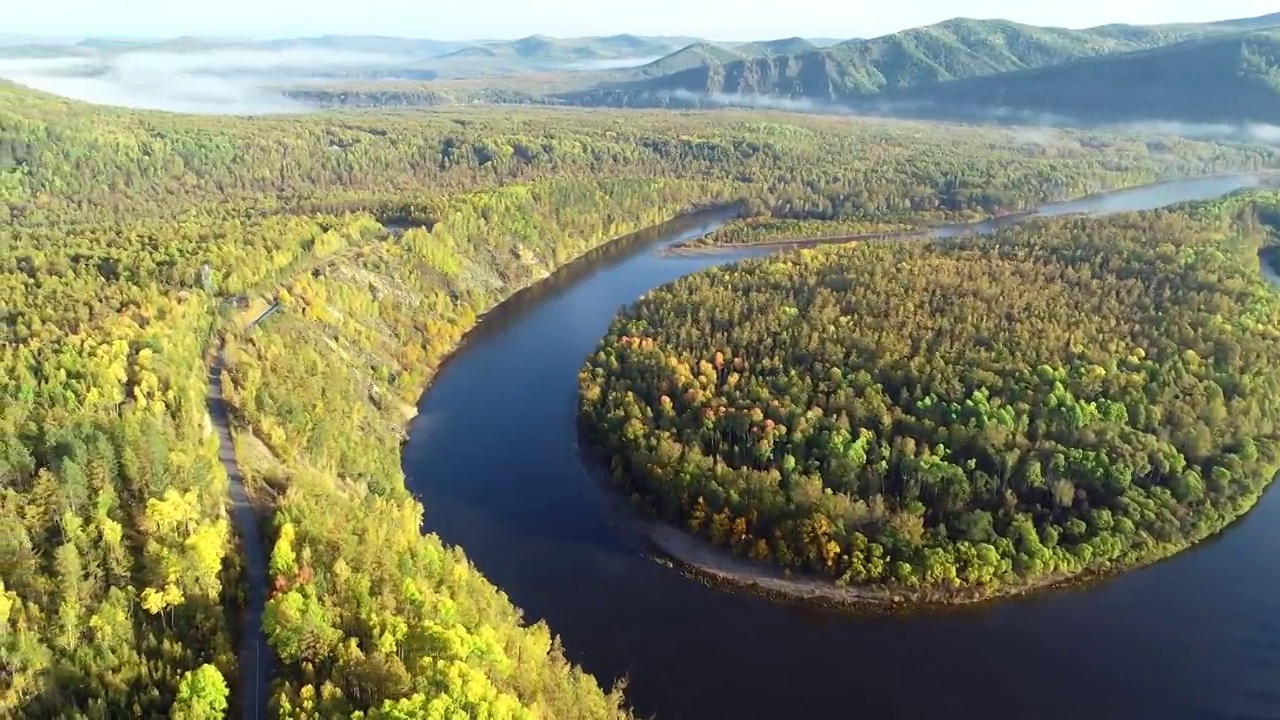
466, 19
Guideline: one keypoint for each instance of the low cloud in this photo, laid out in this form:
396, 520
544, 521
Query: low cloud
612, 63
1033, 126
1254, 132
1244, 131
218, 81
758, 102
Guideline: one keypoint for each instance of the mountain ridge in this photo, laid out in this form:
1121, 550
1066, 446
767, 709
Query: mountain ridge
1223, 79
965, 65
952, 49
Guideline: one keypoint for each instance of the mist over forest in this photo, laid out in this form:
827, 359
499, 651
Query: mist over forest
1210, 80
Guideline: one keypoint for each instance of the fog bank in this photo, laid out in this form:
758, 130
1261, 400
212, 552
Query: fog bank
219, 82
613, 63
1245, 131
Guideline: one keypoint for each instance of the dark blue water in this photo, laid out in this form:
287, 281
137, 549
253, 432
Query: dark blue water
493, 456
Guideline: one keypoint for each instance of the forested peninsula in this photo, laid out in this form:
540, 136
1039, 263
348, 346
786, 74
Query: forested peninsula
135, 245
769, 230
955, 419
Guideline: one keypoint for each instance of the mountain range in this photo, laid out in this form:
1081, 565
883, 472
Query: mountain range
1219, 72
968, 67
1228, 79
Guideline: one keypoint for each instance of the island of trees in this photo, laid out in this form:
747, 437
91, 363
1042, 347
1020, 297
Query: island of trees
765, 230
949, 420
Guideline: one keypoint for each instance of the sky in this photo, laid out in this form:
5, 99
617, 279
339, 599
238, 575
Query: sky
471, 19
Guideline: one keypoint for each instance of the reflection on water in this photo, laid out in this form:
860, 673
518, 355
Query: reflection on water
498, 470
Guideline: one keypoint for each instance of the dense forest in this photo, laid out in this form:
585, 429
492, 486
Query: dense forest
957, 418
62, 161
129, 245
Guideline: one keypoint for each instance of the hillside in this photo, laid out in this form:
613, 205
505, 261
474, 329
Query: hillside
955, 49
696, 55
1260, 22
783, 46
119, 578
922, 59
1227, 79
545, 49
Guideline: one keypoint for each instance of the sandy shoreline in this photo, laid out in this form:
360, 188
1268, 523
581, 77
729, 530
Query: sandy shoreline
697, 557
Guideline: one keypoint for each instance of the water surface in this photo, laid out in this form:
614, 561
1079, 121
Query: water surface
493, 456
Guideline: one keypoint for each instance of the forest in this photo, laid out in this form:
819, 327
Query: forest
133, 246
957, 418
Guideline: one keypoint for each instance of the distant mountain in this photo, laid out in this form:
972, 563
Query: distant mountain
827, 42
406, 47
696, 55
543, 49
1262, 22
1220, 79
968, 63
537, 48
475, 51
955, 49
767, 48
370, 44
110, 44
651, 45
12, 39
393, 58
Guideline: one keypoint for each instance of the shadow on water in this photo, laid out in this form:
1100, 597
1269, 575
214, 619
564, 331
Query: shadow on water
493, 456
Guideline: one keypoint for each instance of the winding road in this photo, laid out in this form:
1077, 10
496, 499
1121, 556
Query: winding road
255, 655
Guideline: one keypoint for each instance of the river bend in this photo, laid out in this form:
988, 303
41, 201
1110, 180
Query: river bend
493, 456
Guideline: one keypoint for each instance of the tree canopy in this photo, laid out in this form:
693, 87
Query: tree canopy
956, 418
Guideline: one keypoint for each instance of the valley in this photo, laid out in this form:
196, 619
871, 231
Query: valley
587, 375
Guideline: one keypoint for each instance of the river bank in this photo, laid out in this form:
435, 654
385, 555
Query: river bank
698, 558
937, 230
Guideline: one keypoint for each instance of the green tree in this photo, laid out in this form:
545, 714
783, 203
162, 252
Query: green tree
202, 695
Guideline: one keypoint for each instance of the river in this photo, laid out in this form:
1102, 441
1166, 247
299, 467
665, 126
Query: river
493, 456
